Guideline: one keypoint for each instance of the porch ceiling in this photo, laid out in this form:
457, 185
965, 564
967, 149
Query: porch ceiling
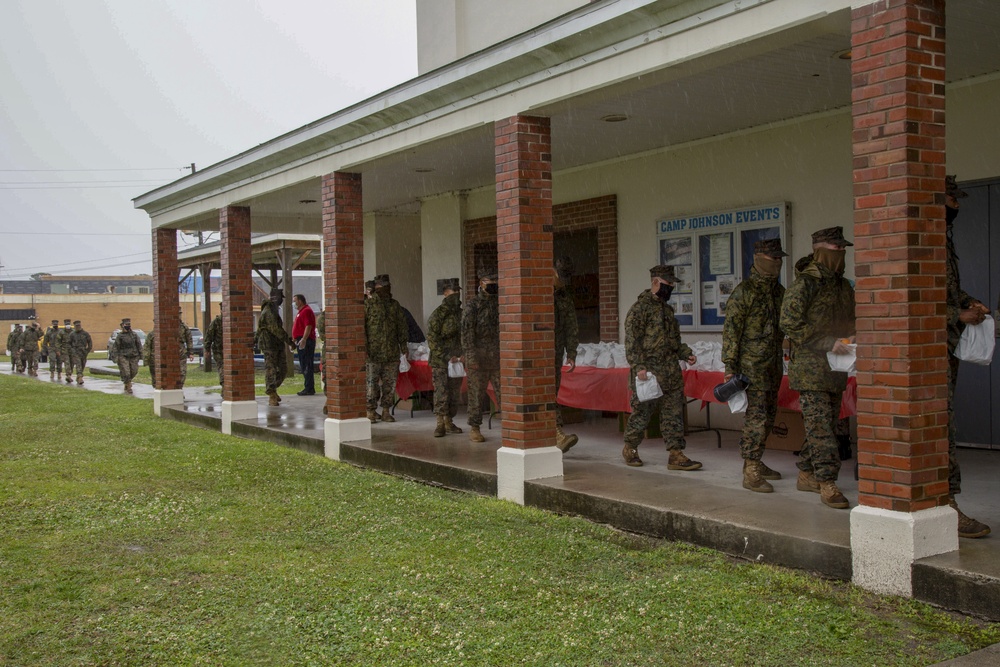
752, 85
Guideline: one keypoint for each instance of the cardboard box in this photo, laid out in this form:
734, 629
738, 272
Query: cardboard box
789, 432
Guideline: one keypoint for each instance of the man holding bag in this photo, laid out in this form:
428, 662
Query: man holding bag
962, 311
385, 342
653, 348
444, 337
751, 346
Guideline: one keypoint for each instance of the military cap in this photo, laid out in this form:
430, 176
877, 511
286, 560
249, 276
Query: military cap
66, 322
17, 326
370, 284
126, 320
453, 284
277, 291
951, 187
382, 279
663, 272
831, 235
769, 247
75, 322
488, 275
55, 322
565, 266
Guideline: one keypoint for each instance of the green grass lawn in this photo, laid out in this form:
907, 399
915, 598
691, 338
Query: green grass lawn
131, 540
198, 377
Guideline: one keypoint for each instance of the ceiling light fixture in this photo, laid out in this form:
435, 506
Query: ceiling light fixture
423, 170
843, 55
307, 201
614, 118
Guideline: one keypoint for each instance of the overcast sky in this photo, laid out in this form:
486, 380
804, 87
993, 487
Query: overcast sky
103, 100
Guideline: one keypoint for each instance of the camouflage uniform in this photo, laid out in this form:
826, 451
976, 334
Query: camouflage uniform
14, 346
50, 348
62, 341
481, 345
272, 340
444, 337
29, 345
385, 341
818, 309
80, 345
213, 343
187, 350
653, 344
148, 354
567, 334
751, 346
128, 351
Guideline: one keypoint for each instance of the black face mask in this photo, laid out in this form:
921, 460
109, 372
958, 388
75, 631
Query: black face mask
950, 214
493, 288
664, 291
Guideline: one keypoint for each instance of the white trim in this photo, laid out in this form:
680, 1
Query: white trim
235, 411
164, 397
516, 466
337, 431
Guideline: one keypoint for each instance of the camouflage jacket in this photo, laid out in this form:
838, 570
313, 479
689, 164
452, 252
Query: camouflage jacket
148, 349
187, 343
817, 310
29, 339
385, 329
444, 331
957, 298
50, 343
80, 342
13, 341
567, 328
481, 332
213, 338
653, 342
127, 345
271, 335
751, 336
320, 327
62, 341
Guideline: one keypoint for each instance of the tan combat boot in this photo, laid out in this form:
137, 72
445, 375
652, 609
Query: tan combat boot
372, 416
967, 526
831, 496
79, 379
272, 398
678, 461
475, 435
563, 441
128, 387
767, 473
387, 416
439, 430
807, 482
52, 375
449, 426
631, 456
69, 378
753, 477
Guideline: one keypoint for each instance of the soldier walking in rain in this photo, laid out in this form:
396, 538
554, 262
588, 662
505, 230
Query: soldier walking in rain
29, 348
128, 351
444, 337
62, 342
149, 356
272, 340
187, 348
80, 345
385, 342
751, 346
14, 346
50, 348
481, 345
213, 343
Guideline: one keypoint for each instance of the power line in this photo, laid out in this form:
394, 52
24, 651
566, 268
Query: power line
31, 171
71, 234
113, 180
72, 187
26, 276
85, 261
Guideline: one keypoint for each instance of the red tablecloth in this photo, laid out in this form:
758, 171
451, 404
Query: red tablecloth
418, 378
592, 388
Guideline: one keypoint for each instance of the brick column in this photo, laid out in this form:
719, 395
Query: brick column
238, 395
166, 323
527, 315
899, 167
343, 284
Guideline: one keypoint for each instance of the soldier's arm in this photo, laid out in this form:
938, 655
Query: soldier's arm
684, 351
634, 331
469, 333
572, 329
794, 317
732, 331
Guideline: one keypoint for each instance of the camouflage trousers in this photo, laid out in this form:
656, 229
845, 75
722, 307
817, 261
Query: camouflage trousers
446, 392
77, 363
671, 410
275, 369
184, 371
559, 419
127, 368
30, 360
152, 371
55, 362
954, 472
380, 386
762, 406
819, 455
479, 379
217, 360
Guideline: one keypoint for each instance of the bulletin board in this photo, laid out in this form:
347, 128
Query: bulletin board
712, 253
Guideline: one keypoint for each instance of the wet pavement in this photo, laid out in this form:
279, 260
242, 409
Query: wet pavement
708, 507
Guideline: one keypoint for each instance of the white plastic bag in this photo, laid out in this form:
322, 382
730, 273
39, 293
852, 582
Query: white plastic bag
604, 359
977, 343
404, 364
648, 389
843, 363
738, 403
456, 369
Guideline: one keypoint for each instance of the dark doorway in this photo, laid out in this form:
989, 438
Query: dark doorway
581, 246
977, 243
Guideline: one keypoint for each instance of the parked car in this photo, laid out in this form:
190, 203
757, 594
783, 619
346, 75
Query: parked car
114, 334
197, 342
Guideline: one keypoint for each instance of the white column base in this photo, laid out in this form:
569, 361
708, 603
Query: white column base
235, 411
165, 397
517, 466
884, 544
337, 431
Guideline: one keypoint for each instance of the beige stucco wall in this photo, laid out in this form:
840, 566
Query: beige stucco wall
397, 252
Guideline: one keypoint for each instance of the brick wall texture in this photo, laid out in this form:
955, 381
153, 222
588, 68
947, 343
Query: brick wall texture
166, 309
898, 51
237, 305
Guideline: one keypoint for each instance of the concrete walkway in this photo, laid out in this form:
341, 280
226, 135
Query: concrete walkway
708, 507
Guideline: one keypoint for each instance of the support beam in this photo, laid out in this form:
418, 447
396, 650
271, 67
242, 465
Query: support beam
166, 309
238, 393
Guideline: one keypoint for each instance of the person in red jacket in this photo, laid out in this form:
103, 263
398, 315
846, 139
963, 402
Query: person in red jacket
304, 335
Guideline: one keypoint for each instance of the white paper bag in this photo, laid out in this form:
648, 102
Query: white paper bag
738, 403
404, 364
977, 343
456, 369
843, 363
648, 389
